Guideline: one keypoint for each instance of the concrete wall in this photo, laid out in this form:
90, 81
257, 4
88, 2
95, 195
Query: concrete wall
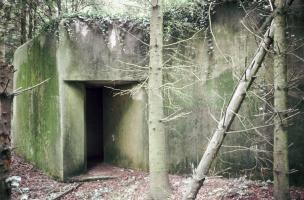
204, 89
198, 82
106, 57
125, 128
36, 118
73, 138
296, 94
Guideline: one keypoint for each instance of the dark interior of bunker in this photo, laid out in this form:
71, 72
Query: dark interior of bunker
94, 125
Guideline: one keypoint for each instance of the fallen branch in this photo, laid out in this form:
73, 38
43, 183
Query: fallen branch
59, 196
89, 178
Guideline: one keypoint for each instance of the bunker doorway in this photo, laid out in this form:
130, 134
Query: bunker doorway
94, 126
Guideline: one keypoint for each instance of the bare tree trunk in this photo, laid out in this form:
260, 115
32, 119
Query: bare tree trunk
2, 45
50, 10
5, 114
35, 20
5, 127
59, 7
31, 20
23, 21
159, 182
280, 146
270, 17
232, 109
73, 6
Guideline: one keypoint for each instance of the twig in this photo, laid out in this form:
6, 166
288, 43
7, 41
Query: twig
59, 196
181, 41
20, 90
212, 116
298, 57
175, 116
249, 129
271, 6
138, 39
248, 29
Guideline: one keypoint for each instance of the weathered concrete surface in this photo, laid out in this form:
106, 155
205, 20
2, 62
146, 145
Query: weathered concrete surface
36, 119
125, 131
296, 96
213, 80
197, 82
204, 90
97, 56
72, 109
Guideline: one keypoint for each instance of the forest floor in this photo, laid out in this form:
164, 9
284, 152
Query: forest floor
127, 184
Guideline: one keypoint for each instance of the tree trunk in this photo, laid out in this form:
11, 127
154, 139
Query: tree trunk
280, 146
59, 7
49, 5
233, 107
31, 20
6, 72
159, 182
5, 127
73, 6
5, 120
35, 20
23, 21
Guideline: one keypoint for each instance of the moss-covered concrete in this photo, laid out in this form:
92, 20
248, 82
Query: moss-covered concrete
49, 121
72, 102
36, 119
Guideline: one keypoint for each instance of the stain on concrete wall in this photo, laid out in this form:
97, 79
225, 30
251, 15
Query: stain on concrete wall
106, 57
36, 120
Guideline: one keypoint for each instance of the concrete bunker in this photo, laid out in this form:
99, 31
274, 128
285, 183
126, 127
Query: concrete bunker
73, 119
49, 125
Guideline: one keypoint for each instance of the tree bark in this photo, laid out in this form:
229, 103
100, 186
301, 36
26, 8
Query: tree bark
280, 146
50, 13
23, 22
6, 72
232, 109
5, 123
59, 7
31, 20
5, 127
35, 20
159, 181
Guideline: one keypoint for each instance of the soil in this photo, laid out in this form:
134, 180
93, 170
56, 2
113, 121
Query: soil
127, 184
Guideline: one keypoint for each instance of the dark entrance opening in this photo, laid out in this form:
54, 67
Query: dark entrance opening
94, 125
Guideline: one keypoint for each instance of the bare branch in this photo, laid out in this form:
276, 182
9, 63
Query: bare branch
20, 90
